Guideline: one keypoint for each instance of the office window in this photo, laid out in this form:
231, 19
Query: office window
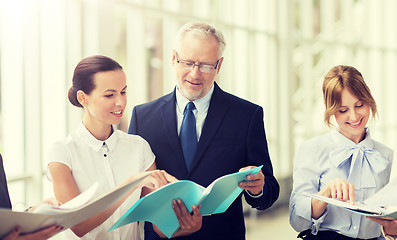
277, 54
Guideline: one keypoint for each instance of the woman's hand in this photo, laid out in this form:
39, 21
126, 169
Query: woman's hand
158, 179
338, 189
49, 201
389, 226
42, 234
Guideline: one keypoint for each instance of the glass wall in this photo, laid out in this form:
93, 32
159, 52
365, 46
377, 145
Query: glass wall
277, 54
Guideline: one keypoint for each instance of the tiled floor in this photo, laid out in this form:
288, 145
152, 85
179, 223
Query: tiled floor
272, 225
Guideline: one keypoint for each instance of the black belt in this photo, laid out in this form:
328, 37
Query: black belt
326, 235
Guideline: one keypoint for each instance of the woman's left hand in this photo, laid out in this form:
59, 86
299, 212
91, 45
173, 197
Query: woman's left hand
42, 234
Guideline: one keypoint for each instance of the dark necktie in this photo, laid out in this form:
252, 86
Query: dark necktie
188, 135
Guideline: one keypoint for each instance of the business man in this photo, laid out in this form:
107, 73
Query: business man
199, 132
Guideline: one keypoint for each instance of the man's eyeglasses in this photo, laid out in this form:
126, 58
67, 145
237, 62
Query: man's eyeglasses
188, 65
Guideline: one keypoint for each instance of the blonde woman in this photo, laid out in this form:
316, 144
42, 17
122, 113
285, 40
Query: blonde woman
345, 163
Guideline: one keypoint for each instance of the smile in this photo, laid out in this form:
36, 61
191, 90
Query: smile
117, 113
356, 124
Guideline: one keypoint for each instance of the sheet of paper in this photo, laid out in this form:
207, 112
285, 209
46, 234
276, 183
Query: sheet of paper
74, 203
67, 217
387, 196
357, 206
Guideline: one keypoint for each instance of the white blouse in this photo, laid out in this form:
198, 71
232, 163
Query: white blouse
109, 163
366, 165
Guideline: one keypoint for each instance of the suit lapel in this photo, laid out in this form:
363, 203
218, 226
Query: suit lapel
215, 115
170, 126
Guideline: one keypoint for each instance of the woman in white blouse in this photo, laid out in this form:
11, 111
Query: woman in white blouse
96, 152
346, 163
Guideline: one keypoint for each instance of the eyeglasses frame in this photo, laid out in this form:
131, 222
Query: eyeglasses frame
215, 66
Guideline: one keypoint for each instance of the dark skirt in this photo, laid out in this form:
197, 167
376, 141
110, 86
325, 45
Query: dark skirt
326, 235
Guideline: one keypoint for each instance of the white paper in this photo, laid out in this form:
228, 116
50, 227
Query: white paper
371, 209
74, 203
387, 196
66, 218
376, 211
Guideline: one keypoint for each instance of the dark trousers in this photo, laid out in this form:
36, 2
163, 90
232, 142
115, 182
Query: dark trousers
326, 235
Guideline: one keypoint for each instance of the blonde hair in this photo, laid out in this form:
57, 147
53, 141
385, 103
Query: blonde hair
339, 78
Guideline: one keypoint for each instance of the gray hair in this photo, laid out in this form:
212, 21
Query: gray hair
201, 29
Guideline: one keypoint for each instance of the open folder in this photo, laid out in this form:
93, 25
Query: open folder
67, 215
156, 207
382, 204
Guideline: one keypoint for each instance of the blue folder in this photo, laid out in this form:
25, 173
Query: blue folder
156, 207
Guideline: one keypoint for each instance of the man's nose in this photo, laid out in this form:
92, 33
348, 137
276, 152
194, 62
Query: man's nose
195, 70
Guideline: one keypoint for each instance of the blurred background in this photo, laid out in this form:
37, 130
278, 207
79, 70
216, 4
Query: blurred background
277, 54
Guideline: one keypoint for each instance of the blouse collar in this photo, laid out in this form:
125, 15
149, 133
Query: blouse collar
342, 141
94, 143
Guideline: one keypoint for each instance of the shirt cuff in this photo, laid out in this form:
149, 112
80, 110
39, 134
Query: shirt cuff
316, 223
255, 196
388, 237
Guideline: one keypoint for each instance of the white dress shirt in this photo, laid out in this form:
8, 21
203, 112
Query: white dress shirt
331, 156
109, 163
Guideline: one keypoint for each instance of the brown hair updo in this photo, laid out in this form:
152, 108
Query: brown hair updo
83, 76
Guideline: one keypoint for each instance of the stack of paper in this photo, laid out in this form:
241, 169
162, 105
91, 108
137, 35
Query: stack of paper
382, 204
71, 213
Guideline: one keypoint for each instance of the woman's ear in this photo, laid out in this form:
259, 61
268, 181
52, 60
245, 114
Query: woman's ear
82, 98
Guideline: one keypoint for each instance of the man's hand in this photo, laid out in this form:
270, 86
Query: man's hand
188, 223
254, 183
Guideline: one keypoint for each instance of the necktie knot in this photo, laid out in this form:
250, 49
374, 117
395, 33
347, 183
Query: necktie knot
189, 107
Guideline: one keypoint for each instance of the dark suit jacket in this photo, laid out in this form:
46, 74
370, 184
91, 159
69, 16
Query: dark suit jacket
233, 137
4, 196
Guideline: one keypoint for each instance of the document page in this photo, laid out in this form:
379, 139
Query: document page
67, 216
73, 204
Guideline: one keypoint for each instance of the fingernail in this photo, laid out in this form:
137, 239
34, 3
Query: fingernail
179, 200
